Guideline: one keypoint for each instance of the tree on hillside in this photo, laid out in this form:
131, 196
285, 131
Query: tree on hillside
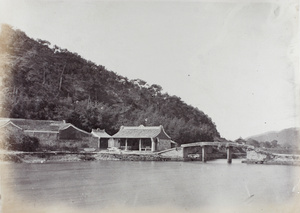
240, 140
252, 142
274, 143
43, 82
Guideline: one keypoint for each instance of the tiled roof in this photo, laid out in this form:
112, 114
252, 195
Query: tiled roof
68, 125
36, 125
100, 133
141, 132
3, 122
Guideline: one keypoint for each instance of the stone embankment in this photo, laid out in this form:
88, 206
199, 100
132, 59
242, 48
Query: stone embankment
264, 157
43, 157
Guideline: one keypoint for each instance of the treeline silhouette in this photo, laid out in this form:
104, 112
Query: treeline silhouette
41, 81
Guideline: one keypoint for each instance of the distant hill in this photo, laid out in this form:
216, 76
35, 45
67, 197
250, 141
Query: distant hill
43, 81
286, 137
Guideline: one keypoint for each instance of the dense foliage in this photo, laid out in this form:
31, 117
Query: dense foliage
44, 82
18, 141
258, 144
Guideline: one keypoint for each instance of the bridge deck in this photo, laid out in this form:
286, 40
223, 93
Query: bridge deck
227, 144
192, 147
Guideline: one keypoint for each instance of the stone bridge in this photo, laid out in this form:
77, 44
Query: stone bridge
203, 147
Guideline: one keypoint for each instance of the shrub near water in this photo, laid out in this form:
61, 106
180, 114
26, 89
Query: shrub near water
29, 144
59, 147
19, 142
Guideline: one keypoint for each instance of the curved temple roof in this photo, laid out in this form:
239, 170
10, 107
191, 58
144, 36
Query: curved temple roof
29, 125
100, 133
141, 132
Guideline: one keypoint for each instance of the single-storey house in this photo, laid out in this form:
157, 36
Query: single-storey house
49, 132
7, 127
142, 138
104, 139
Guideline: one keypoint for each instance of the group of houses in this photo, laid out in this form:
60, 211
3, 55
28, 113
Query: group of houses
61, 133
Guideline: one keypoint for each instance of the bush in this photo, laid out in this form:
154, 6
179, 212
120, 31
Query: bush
10, 140
84, 145
29, 144
19, 142
61, 148
87, 158
9, 143
69, 148
49, 148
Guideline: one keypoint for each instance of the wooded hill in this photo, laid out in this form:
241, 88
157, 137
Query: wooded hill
40, 81
286, 137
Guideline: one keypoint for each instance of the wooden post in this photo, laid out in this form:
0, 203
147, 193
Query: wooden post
140, 144
203, 154
152, 145
229, 154
98, 143
126, 144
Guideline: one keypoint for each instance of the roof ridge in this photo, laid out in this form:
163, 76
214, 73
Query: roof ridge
141, 132
141, 127
26, 119
98, 130
75, 127
9, 122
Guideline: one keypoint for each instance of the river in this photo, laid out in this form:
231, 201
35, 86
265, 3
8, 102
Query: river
183, 185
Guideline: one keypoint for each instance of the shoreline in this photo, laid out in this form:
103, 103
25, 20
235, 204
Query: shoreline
287, 163
53, 157
7, 157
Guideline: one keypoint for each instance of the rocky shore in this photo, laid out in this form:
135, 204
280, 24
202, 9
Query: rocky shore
292, 163
48, 157
253, 157
264, 157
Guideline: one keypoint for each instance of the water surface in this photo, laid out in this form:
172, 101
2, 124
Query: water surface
182, 184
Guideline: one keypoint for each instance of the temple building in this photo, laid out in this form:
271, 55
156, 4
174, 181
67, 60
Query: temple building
104, 139
143, 138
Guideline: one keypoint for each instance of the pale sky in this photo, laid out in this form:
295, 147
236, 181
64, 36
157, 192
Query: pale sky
237, 61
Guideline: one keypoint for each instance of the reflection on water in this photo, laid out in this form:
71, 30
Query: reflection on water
184, 184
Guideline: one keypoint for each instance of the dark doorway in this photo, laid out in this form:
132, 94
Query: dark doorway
103, 143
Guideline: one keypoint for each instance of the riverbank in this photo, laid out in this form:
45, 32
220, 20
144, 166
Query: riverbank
268, 158
292, 163
50, 157
253, 157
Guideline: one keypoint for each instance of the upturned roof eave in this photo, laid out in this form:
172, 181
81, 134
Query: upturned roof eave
10, 122
163, 130
101, 136
67, 125
141, 132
